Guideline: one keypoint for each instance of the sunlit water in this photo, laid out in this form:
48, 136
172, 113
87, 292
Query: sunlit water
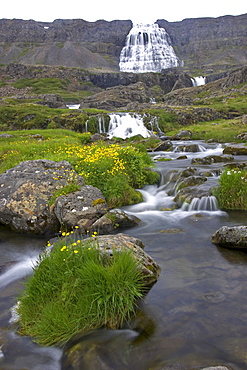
193, 317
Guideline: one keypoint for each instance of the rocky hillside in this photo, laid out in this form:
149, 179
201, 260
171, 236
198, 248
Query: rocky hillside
206, 45
210, 44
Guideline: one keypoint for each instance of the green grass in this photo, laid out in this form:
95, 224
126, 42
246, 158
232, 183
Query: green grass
117, 170
54, 86
223, 131
232, 191
16, 116
41, 85
76, 289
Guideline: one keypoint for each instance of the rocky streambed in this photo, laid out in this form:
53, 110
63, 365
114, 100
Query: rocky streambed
192, 318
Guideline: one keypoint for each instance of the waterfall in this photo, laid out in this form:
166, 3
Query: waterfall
148, 49
101, 124
125, 125
206, 203
198, 81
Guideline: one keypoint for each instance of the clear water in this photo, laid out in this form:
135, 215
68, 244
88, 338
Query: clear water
193, 317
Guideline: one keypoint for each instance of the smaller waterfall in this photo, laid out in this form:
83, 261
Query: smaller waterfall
206, 203
154, 125
18, 271
101, 124
198, 81
126, 125
73, 106
96, 122
148, 49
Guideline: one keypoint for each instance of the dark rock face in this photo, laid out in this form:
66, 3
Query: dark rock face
52, 101
236, 77
231, 237
209, 42
118, 97
74, 43
25, 191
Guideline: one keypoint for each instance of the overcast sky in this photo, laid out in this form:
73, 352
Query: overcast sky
138, 11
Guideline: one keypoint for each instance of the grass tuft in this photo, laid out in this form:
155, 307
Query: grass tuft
78, 288
232, 192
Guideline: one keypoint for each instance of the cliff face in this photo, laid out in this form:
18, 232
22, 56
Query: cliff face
71, 43
205, 44
210, 44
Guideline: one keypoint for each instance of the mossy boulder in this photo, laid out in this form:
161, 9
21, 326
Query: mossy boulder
25, 192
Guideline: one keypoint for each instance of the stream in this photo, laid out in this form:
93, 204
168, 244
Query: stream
193, 317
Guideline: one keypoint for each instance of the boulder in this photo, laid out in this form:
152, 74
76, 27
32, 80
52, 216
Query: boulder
98, 349
187, 194
81, 208
231, 237
114, 219
52, 101
163, 146
243, 135
25, 192
182, 134
210, 159
190, 181
236, 149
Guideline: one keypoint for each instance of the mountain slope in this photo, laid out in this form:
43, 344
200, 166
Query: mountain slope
206, 45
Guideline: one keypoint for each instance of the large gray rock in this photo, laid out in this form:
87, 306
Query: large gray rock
81, 208
114, 219
210, 159
25, 192
236, 149
231, 237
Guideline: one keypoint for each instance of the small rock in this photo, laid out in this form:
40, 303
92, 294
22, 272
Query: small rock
231, 237
6, 135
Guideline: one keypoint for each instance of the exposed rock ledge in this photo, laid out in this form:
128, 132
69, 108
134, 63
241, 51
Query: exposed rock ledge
26, 191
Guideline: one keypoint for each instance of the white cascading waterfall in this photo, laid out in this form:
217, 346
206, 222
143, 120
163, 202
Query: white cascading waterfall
126, 125
148, 49
198, 81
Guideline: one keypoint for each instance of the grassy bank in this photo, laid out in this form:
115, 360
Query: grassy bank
117, 170
223, 131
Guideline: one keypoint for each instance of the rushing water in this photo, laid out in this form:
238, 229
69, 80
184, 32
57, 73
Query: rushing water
193, 317
198, 81
148, 49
